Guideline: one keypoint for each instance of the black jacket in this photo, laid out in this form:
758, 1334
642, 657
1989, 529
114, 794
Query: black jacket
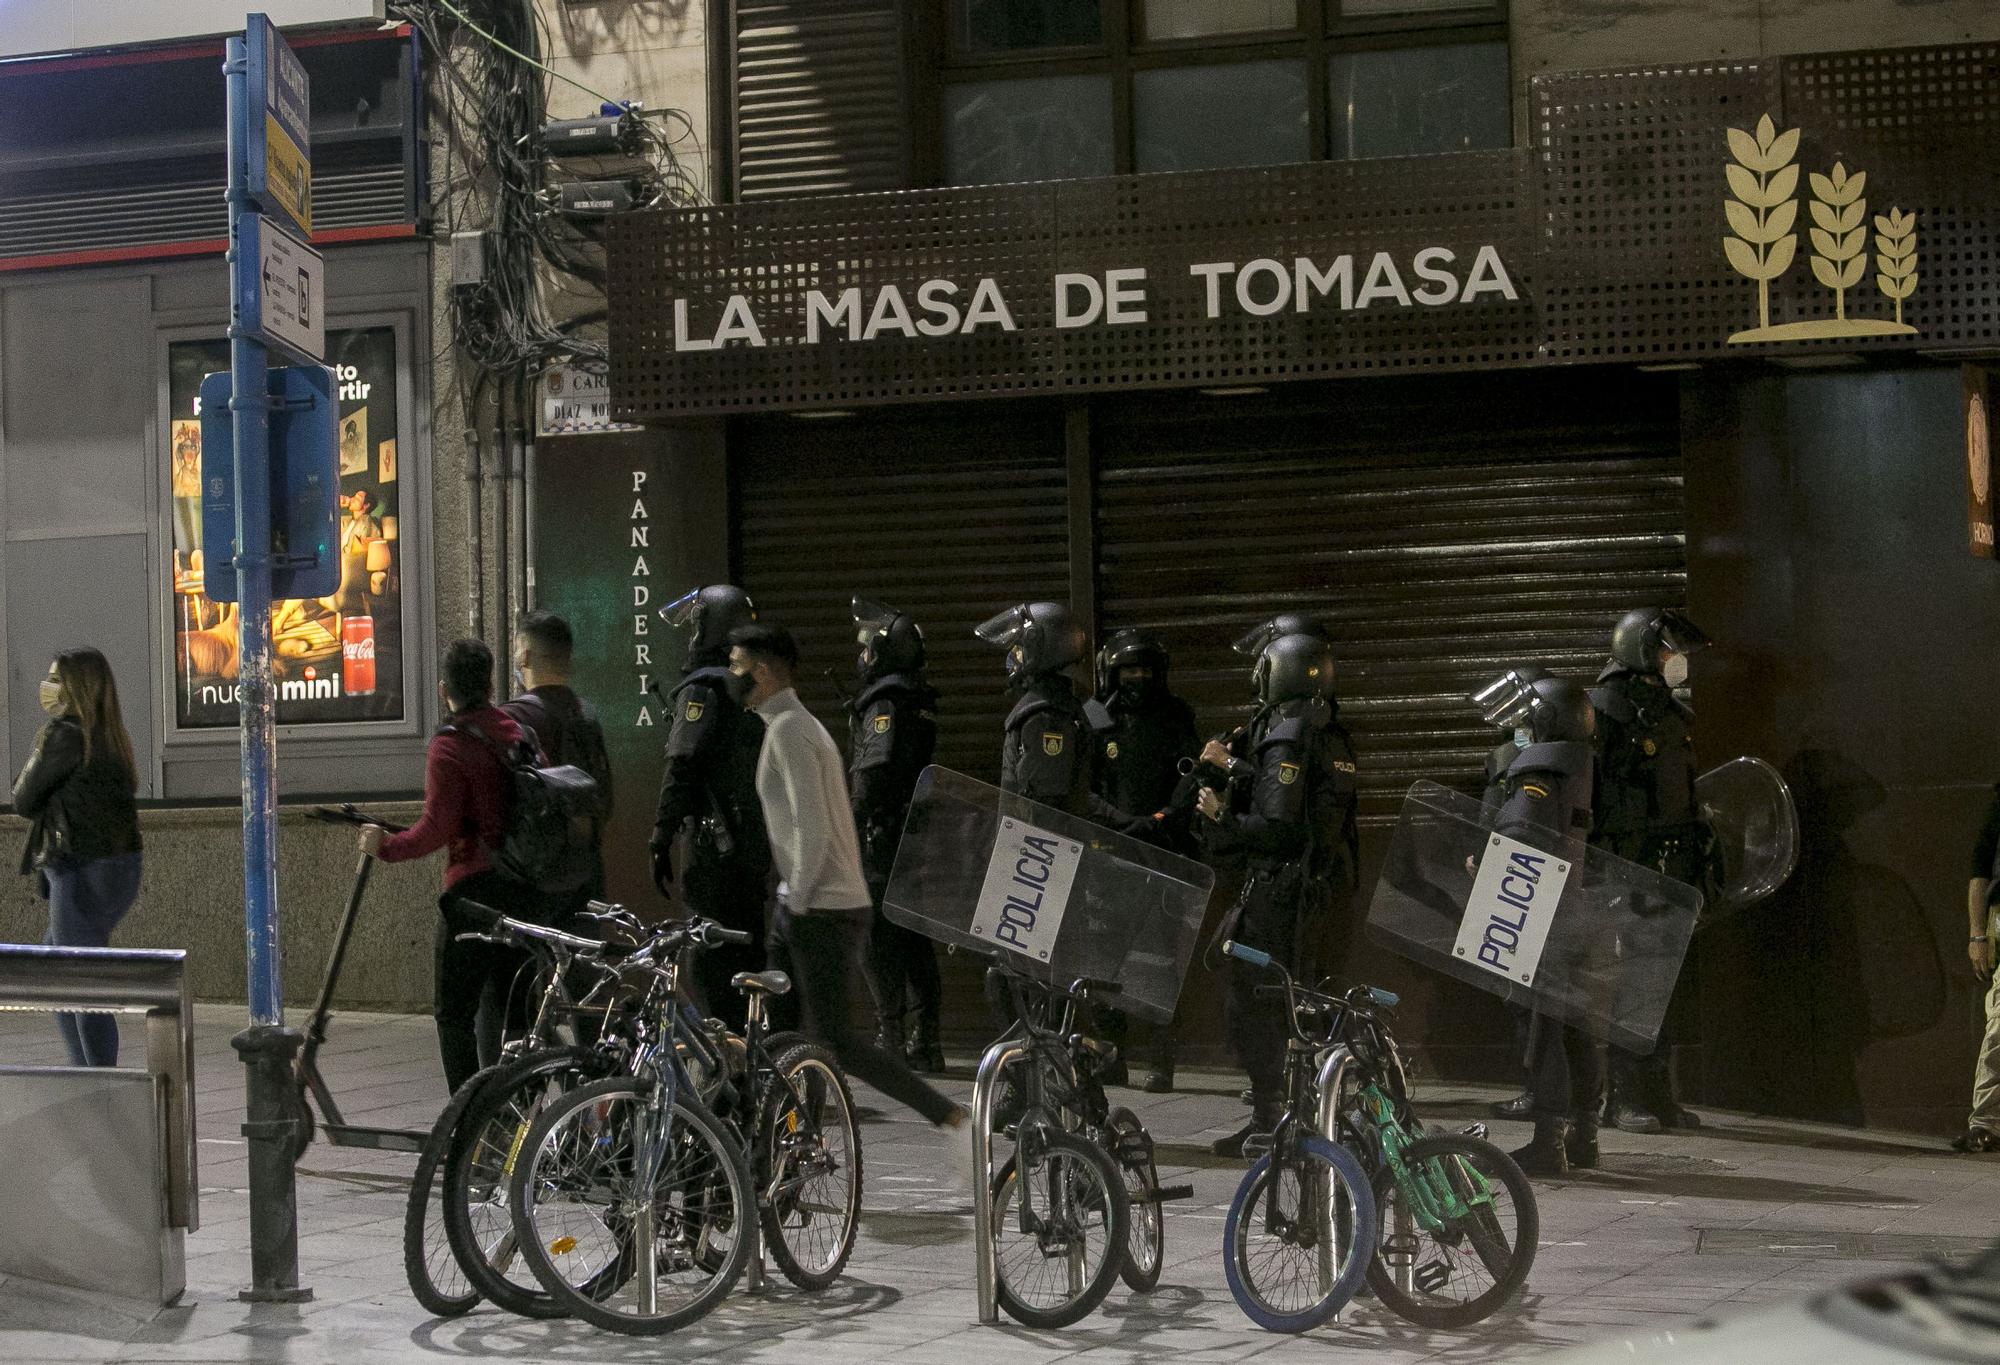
892, 736
1045, 755
1300, 806
711, 774
1136, 773
1645, 757
79, 811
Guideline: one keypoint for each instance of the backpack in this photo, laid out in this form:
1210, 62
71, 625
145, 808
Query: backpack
549, 827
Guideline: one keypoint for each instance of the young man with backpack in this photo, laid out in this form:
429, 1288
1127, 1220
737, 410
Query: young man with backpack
467, 800
566, 730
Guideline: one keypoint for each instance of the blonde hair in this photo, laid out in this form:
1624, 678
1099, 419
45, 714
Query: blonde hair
92, 694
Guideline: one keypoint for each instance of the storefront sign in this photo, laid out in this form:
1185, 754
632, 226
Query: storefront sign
1979, 459
338, 657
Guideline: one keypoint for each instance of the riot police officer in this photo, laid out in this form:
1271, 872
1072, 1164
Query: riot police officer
1647, 812
1293, 827
1544, 800
1140, 733
892, 733
1045, 752
711, 782
1499, 759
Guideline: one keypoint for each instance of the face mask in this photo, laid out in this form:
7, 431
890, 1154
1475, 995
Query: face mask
740, 687
52, 696
1523, 737
1675, 670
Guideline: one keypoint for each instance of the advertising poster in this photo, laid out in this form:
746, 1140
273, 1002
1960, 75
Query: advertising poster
339, 657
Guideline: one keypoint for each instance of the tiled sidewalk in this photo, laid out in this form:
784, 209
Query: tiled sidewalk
1742, 1213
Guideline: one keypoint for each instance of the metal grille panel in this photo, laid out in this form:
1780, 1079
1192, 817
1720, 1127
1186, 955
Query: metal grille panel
819, 104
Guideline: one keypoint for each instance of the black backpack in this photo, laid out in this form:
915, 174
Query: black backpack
550, 823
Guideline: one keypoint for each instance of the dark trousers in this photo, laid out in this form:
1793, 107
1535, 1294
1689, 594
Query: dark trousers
731, 893
476, 1000
902, 977
820, 952
86, 902
1568, 1073
1256, 1026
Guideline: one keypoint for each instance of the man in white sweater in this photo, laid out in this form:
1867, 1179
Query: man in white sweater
823, 902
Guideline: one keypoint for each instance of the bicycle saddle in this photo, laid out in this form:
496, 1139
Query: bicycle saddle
761, 983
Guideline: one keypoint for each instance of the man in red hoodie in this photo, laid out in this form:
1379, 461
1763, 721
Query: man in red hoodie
465, 810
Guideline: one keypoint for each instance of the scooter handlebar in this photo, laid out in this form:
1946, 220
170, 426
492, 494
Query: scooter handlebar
346, 814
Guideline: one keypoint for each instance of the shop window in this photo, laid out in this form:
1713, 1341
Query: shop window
1167, 20
1238, 114
1041, 128
992, 26
338, 657
1410, 101
1403, 9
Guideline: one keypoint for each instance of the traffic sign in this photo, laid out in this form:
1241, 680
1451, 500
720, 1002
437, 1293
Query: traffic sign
277, 125
281, 294
305, 484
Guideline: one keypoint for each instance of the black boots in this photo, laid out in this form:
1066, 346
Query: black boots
1263, 1122
1580, 1146
1522, 1106
1160, 1081
1548, 1154
925, 1053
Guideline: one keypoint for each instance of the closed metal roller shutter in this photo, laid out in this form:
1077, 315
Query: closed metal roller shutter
819, 98
1442, 528
948, 516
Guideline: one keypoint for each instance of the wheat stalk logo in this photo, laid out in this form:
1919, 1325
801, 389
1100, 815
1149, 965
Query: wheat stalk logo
1896, 256
1763, 213
1763, 181
1840, 237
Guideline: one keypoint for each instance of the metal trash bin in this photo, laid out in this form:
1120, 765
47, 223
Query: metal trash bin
101, 1181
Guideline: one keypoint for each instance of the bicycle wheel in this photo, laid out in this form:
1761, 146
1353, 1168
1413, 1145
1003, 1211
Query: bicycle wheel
1146, 1230
434, 1274
1059, 1232
481, 1162
1458, 1236
630, 1243
808, 1157
1299, 1236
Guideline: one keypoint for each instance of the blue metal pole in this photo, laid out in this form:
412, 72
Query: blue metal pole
250, 407
273, 1105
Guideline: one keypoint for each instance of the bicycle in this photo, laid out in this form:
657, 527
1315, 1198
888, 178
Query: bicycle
1455, 1192
1061, 1203
1302, 1228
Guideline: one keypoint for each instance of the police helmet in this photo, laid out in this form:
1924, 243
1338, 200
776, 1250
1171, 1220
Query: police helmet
1643, 636
708, 615
1560, 710
1039, 637
1130, 648
1294, 668
1284, 623
890, 641
1506, 699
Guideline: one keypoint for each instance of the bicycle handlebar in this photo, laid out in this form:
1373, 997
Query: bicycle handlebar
1243, 952
346, 814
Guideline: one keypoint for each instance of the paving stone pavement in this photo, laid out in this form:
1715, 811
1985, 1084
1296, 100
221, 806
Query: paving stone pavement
1745, 1212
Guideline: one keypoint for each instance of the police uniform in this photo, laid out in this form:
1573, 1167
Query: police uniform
711, 779
892, 735
1045, 754
1295, 831
1647, 813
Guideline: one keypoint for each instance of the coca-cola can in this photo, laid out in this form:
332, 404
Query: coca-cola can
357, 655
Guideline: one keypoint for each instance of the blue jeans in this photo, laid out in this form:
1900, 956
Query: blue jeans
86, 902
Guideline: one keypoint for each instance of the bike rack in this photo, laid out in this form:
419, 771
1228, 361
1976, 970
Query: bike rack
997, 1059
1332, 1075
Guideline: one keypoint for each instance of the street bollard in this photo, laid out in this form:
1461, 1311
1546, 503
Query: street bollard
997, 1059
276, 1131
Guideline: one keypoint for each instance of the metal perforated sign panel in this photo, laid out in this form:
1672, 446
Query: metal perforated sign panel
1862, 215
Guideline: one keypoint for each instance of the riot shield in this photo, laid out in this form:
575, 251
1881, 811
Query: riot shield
1539, 919
1052, 896
1749, 808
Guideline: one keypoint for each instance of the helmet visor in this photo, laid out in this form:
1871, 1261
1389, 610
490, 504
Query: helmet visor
681, 611
1680, 634
1253, 641
1003, 628
1506, 701
870, 619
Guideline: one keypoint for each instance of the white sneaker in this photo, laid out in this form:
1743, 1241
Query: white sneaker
957, 1133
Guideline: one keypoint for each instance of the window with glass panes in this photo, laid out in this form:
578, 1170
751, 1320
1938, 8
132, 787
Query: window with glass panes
1055, 89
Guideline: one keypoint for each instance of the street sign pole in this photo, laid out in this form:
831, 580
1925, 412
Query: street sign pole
274, 1107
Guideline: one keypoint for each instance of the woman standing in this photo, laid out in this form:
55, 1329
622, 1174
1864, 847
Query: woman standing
77, 789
